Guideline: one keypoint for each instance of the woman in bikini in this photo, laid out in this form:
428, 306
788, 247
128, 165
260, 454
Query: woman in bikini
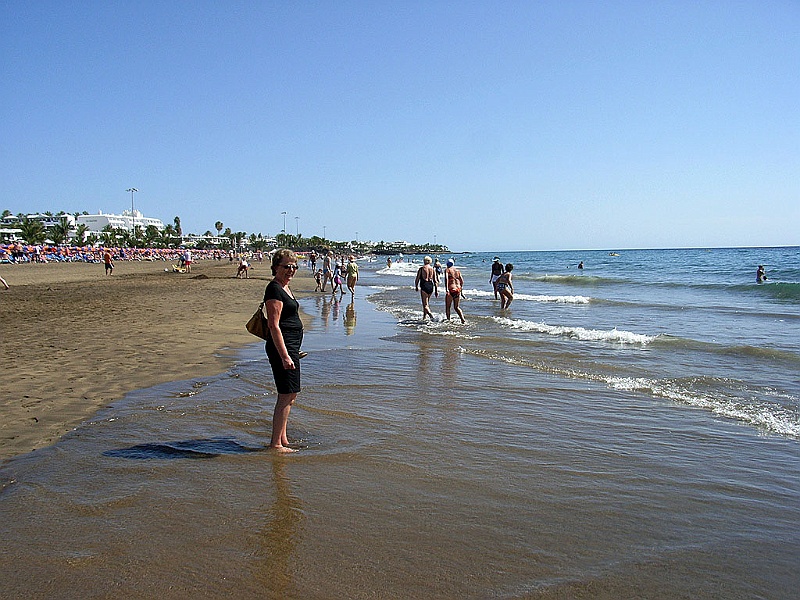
426, 284
505, 288
454, 283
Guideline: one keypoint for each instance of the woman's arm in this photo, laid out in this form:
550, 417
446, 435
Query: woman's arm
274, 309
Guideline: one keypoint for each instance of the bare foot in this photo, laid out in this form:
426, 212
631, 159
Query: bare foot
282, 449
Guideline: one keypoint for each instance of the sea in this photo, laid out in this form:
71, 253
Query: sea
630, 429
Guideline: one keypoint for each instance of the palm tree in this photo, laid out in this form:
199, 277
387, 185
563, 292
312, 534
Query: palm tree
178, 229
134, 236
107, 236
218, 226
151, 235
32, 231
80, 233
59, 232
168, 232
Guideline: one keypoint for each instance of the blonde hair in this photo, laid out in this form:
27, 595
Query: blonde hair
279, 255
427, 260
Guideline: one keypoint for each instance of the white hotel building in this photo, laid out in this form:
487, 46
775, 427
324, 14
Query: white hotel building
127, 220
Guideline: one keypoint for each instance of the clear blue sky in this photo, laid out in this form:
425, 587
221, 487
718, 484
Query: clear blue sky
485, 126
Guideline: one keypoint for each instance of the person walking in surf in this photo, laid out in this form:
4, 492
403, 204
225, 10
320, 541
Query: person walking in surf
426, 284
505, 288
454, 283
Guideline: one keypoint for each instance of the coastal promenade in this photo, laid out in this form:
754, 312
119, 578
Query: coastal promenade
75, 340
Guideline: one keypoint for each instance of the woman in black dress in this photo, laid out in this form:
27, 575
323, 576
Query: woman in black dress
283, 346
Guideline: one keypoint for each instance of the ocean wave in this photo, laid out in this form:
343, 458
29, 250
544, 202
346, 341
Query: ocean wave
385, 288
722, 397
403, 269
531, 297
770, 416
579, 333
737, 351
577, 280
782, 291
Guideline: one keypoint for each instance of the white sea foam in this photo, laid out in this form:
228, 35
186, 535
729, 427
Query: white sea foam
474, 293
557, 299
580, 333
403, 269
769, 416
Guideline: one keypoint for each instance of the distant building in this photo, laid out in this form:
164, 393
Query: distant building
9, 226
47, 221
191, 240
10, 235
127, 221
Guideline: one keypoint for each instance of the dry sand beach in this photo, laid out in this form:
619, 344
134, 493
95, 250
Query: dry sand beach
75, 340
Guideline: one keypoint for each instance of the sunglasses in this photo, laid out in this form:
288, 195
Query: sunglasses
294, 267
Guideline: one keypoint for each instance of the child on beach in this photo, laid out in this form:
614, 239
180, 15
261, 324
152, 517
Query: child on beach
504, 287
337, 278
318, 279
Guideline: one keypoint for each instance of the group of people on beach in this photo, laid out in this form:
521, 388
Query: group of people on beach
336, 271
427, 284
18, 253
286, 328
501, 282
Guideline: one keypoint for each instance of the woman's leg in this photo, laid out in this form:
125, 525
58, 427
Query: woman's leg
457, 306
280, 419
507, 296
426, 309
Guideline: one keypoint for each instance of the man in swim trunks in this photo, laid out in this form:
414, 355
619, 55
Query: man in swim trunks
426, 284
109, 263
454, 283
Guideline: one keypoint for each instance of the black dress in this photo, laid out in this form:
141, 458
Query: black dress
287, 381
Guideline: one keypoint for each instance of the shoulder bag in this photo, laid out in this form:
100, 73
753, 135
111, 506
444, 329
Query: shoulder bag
257, 325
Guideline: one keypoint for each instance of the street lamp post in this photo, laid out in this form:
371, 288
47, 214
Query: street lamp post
297, 227
132, 190
133, 224
324, 234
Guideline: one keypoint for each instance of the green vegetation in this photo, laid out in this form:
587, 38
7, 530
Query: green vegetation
32, 231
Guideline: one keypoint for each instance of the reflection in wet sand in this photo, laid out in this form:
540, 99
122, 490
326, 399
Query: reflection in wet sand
350, 319
281, 535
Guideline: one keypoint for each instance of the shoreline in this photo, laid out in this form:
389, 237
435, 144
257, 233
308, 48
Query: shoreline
76, 340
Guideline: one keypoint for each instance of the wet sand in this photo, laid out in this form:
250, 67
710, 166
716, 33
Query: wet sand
74, 340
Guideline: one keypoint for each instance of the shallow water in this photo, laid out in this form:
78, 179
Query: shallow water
492, 460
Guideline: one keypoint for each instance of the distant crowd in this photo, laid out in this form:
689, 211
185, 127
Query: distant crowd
23, 253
